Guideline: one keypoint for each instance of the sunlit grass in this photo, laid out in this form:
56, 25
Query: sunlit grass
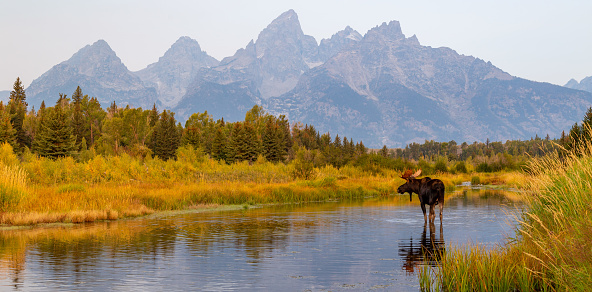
552, 250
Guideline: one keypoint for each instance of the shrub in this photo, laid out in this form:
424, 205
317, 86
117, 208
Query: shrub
475, 180
483, 167
461, 167
440, 165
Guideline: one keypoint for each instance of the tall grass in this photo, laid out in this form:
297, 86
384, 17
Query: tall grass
552, 250
13, 187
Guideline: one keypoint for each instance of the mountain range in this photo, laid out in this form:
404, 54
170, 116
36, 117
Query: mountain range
382, 87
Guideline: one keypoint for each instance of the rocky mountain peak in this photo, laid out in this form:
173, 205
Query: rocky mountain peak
99, 72
391, 31
330, 47
184, 44
91, 58
173, 72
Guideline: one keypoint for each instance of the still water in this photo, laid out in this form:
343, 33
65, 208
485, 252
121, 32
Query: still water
372, 244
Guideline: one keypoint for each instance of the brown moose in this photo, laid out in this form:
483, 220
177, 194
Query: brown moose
430, 191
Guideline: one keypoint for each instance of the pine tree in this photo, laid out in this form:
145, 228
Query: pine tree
54, 138
166, 137
219, 144
273, 142
153, 117
77, 117
17, 108
383, 151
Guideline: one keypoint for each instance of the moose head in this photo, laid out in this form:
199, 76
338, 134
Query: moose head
412, 184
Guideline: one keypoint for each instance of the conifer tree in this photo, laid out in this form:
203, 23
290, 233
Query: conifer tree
166, 137
251, 142
77, 117
219, 148
17, 108
273, 142
54, 138
153, 117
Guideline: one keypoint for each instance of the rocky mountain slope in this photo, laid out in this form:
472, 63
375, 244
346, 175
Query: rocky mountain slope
99, 72
173, 72
267, 67
388, 89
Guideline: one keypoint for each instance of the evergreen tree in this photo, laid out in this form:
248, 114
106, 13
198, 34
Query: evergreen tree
77, 117
7, 133
54, 138
153, 117
219, 148
273, 141
383, 151
17, 107
166, 137
93, 119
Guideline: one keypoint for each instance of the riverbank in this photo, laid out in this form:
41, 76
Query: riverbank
79, 203
552, 250
36, 190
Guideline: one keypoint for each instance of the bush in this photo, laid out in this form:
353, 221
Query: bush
475, 180
483, 167
461, 167
440, 165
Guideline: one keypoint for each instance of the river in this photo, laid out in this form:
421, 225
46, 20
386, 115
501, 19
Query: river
372, 244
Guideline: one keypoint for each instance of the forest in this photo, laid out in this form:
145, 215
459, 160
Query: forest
77, 162
79, 127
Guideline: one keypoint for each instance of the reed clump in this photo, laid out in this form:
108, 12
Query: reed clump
552, 250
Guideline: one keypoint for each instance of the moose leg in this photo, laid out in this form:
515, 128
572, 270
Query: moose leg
423, 208
441, 208
432, 213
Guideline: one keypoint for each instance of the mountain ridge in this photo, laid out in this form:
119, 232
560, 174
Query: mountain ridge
381, 87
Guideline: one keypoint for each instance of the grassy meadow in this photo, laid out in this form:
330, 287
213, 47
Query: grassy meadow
37, 190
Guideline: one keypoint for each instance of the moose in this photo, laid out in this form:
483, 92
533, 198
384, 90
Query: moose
430, 191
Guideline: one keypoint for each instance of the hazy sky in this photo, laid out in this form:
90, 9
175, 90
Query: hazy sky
540, 40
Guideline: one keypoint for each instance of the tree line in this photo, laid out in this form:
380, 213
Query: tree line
78, 126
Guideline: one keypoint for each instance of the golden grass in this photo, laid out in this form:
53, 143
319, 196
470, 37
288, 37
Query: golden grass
552, 250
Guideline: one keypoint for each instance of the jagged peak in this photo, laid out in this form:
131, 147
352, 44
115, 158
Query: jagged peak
391, 30
287, 19
99, 50
413, 40
184, 43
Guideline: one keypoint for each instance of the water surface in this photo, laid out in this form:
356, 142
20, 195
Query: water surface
372, 244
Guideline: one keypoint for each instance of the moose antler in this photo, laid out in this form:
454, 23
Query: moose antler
409, 174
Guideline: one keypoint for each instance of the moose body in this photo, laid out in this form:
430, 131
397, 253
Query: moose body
429, 191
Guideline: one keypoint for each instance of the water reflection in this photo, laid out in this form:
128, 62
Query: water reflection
319, 246
426, 250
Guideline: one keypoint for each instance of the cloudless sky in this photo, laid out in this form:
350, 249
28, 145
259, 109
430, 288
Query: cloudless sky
548, 41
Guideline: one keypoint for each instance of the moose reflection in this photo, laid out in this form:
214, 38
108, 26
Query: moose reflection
430, 191
428, 250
